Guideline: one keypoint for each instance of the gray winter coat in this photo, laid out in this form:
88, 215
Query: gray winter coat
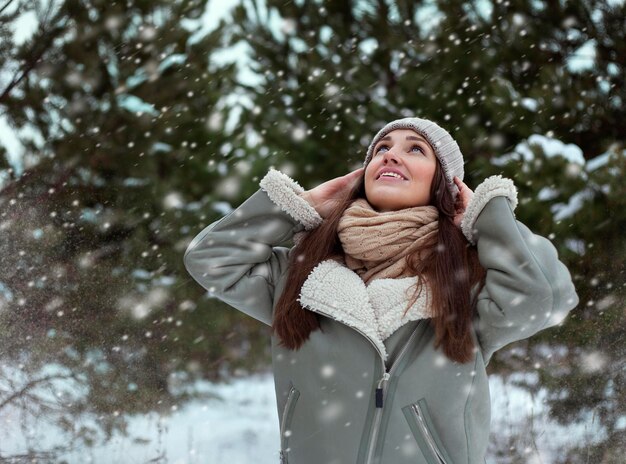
370, 387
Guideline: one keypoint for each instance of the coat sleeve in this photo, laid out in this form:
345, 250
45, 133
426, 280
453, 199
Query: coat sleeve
237, 258
527, 287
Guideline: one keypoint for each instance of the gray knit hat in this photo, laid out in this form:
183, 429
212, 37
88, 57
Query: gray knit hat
445, 147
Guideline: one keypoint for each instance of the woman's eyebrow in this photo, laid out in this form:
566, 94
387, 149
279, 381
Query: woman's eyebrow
408, 137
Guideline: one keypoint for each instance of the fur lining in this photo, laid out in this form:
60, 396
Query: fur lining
375, 310
491, 187
389, 298
284, 192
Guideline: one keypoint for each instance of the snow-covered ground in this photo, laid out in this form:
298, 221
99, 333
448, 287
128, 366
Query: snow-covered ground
239, 424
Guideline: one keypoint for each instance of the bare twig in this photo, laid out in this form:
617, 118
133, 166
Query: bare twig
6, 5
33, 383
31, 456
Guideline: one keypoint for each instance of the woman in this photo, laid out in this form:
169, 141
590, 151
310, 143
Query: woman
402, 284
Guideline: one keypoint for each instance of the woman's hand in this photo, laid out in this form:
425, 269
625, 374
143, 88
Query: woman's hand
325, 197
462, 200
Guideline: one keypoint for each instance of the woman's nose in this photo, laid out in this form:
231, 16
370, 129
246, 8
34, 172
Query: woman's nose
389, 155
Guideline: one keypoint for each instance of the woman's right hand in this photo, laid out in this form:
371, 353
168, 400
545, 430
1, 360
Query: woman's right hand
325, 197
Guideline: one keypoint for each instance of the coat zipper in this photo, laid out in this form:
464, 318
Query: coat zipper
377, 416
379, 390
379, 398
429, 439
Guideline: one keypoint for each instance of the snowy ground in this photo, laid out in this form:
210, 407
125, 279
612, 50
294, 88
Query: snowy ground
240, 425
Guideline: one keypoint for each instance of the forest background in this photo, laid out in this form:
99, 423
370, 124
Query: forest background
128, 126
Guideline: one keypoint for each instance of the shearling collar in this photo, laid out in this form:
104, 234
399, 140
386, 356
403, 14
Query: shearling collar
336, 291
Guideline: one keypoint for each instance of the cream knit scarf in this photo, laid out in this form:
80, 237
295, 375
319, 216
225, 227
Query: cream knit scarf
376, 243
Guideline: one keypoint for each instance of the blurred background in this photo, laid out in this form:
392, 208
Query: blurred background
128, 126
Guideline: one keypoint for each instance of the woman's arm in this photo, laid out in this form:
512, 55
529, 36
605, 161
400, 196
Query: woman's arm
236, 258
527, 287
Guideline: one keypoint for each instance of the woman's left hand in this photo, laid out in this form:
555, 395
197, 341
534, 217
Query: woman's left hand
462, 200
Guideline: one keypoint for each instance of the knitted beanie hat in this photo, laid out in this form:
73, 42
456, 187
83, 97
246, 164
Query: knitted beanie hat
445, 147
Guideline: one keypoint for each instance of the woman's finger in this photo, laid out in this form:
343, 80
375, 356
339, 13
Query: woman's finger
464, 190
355, 175
351, 174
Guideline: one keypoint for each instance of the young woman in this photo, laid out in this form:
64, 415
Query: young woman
401, 285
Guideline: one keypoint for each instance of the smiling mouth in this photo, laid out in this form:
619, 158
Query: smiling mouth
390, 175
391, 178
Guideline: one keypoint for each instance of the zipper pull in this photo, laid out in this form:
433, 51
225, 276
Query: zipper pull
379, 390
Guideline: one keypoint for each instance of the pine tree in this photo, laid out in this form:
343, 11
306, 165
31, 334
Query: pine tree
131, 151
122, 106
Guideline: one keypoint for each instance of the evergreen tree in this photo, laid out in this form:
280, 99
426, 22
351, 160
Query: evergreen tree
125, 112
119, 106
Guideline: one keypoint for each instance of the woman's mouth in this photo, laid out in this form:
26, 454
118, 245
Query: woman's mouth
390, 174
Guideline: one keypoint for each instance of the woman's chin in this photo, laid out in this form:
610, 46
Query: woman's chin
384, 206
384, 203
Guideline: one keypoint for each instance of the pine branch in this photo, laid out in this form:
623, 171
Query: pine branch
42, 44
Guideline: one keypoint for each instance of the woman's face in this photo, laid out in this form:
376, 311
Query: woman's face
408, 154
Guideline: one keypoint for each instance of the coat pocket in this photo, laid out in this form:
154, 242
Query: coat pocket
423, 429
285, 427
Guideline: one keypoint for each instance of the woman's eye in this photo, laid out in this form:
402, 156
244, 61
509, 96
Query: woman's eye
385, 147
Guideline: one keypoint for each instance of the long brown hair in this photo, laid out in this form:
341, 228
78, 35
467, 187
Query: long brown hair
453, 270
